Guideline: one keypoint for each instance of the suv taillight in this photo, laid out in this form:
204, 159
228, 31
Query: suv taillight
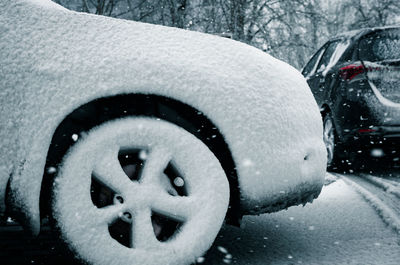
351, 71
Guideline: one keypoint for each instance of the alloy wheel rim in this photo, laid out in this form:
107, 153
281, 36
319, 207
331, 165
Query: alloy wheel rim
196, 198
136, 201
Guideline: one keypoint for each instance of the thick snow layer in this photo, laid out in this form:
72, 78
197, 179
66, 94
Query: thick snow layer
54, 61
85, 227
46, 4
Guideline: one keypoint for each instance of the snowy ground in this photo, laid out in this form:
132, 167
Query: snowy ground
347, 224
340, 227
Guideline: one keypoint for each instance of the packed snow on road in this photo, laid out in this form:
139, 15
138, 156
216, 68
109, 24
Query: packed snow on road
346, 225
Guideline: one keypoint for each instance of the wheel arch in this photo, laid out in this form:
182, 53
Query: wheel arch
325, 109
104, 109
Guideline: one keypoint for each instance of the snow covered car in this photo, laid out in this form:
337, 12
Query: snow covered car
139, 140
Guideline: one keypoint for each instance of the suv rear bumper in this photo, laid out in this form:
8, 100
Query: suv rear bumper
377, 141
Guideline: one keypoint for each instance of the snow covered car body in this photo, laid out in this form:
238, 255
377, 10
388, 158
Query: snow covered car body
55, 63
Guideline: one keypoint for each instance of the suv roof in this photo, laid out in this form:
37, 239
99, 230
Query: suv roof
356, 34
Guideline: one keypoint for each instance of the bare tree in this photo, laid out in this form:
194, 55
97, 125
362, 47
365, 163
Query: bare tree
288, 29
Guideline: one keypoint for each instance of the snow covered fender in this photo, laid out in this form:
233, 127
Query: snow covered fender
53, 61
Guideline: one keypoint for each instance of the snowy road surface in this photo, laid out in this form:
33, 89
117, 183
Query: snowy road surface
340, 227
347, 224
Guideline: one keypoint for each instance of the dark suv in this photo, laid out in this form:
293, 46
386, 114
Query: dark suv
355, 79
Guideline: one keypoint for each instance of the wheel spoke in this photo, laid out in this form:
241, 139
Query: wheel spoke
330, 153
329, 139
178, 208
109, 214
142, 233
328, 126
328, 136
109, 172
155, 164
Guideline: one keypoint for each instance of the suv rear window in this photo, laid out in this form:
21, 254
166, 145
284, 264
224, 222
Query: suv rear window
381, 45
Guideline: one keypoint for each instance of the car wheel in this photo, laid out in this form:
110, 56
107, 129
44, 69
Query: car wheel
329, 137
139, 191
